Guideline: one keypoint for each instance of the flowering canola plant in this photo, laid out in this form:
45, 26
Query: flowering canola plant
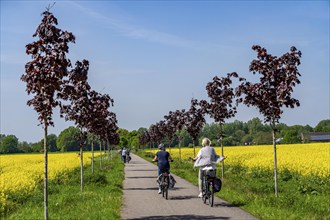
305, 159
21, 174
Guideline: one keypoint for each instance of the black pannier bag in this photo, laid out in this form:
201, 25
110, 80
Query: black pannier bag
172, 182
217, 184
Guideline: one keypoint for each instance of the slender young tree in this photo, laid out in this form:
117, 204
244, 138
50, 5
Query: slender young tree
161, 127
177, 123
221, 106
44, 76
76, 90
100, 104
170, 128
110, 131
152, 135
157, 131
92, 138
144, 139
194, 120
99, 113
278, 77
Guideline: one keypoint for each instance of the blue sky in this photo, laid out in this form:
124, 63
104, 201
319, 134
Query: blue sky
152, 57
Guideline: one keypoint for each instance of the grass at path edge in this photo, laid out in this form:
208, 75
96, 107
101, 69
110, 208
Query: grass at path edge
101, 199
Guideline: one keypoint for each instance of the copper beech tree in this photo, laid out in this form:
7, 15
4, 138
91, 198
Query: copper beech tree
222, 105
76, 91
170, 128
100, 104
278, 77
177, 123
44, 77
194, 120
88, 109
144, 139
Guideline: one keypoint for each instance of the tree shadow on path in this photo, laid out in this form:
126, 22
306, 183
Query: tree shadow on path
182, 197
139, 177
182, 217
139, 188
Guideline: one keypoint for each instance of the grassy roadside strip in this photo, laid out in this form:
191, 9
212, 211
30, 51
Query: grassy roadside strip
253, 190
101, 199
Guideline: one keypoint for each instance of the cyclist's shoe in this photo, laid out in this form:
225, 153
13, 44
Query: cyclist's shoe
200, 195
159, 191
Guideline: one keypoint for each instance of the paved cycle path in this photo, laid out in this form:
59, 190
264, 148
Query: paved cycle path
142, 201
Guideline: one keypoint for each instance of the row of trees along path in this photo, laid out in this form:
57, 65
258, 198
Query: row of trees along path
49, 76
278, 77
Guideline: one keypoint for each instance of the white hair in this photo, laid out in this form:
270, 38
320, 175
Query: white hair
206, 142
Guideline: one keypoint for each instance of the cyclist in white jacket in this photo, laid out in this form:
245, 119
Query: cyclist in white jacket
205, 157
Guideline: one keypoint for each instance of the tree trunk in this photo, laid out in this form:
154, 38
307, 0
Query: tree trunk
92, 156
45, 175
100, 154
180, 148
222, 154
194, 140
223, 161
108, 151
81, 168
105, 152
275, 162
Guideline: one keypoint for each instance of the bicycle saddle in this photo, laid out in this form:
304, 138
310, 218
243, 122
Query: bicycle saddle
208, 168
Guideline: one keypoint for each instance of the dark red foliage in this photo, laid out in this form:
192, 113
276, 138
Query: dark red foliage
221, 96
194, 119
278, 76
155, 133
44, 74
175, 121
144, 138
87, 108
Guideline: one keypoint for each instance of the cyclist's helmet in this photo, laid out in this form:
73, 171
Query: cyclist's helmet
161, 146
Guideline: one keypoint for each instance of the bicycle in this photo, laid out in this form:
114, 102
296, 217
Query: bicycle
164, 182
208, 176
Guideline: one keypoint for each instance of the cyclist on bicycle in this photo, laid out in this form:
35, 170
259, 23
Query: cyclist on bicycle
163, 158
205, 157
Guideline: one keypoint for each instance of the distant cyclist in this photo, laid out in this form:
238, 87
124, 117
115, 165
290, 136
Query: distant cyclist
163, 158
205, 157
124, 154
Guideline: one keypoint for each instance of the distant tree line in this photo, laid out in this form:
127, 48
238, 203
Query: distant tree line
237, 133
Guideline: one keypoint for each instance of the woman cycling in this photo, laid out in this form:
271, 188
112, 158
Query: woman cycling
205, 157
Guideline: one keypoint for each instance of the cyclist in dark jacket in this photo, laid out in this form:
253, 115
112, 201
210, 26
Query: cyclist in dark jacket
163, 158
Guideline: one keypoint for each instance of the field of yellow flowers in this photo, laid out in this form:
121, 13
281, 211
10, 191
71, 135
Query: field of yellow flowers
20, 174
305, 159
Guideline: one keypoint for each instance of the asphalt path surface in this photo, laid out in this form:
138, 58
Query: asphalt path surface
142, 201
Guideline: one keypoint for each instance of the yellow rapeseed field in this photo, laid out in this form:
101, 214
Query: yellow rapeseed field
306, 159
20, 174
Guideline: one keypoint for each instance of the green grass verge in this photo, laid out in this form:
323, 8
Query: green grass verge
101, 199
253, 190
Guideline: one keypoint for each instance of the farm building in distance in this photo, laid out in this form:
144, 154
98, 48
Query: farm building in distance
315, 136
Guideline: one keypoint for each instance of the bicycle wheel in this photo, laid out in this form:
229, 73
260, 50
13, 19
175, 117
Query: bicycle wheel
163, 191
204, 190
166, 186
211, 194
163, 185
